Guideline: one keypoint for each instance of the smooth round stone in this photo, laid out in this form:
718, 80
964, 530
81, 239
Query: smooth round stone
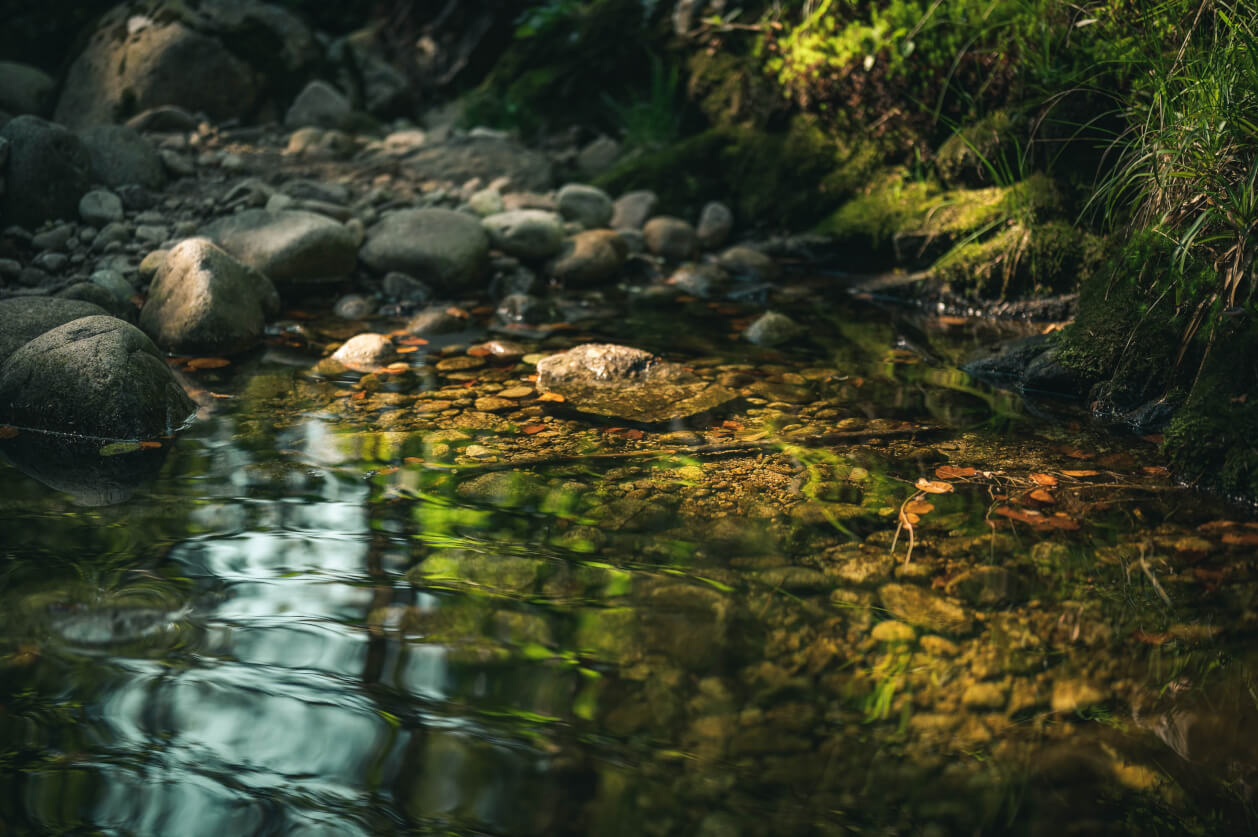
590, 258
716, 221
632, 209
589, 206
494, 404
528, 234
672, 239
354, 307
114, 282
772, 329
448, 248
365, 352
748, 265
100, 207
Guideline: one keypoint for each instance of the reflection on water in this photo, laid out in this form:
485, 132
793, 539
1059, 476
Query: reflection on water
344, 614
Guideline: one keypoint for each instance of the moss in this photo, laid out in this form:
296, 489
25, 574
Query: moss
1034, 259
776, 179
983, 153
871, 220
730, 90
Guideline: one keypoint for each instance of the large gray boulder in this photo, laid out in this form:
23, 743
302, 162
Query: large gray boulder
121, 156
292, 247
621, 382
94, 376
319, 105
441, 246
47, 173
226, 58
203, 301
23, 318
25, 89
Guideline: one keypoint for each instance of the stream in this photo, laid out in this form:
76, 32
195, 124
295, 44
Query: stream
870, 595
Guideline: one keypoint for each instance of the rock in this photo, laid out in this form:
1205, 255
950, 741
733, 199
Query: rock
121, 73
715, 224
151, 263
403, 288
204, 301
893, 631
748, 265
598, 156
320, 105
365, 352
627, 383
22, 319
53, 238
115, 283
94, 376
354, 307
318, 142
704, 281
95, 294
986, 586
925, 609
529, 234
522, 308
587, 205
291, 247
463, 158
632, 210
166, 119
152, 233
49, 170
25, 89
437, 320
589, 258
449, 249
991, 696
672, 239
121, 157
772, 329
486, 202
100, 207
1073, 695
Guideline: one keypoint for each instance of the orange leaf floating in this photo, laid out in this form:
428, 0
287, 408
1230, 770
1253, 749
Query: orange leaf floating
360, 395
1241, 538
7, 431
1076, 453
412, 341
406, 350
455, 311
1036, 519
1085, 473
530, 429
1044, 479
208, 363
953, 472
150, 444
933, 486
911, 518
1041, 495
551, 396
397, 367
917, 507
1152, 639
1156, 470
478, 351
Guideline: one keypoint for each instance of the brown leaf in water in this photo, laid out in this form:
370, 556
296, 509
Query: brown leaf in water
7, 431
150, 444
411, 340
1042, 495
478, 351
530, 429
360, 395
933, 486
1044, 479
456, 311
399, 366
208, 363
1216, 525
551, 396
1078, 474
1036, 519
1116, 460
1241, 538
1156, 470
919, 507
911, 518
406, 350
1077, 453
1152, 639
954, 472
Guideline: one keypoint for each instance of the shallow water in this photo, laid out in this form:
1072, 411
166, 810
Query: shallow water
337, 606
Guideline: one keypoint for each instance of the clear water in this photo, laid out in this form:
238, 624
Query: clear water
319, 612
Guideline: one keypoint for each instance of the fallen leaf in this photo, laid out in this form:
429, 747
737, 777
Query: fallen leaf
919, 507
1041, 495
1152, 639
406, 350
911, 518
478, 351
954, 472
455, 311
633, 434
7, 431
150, 444
1076, 453
1241, 538
1078, 474
1116, 460
1036, 519
360, 395
933, 486
1044, 479
208, 363
730, 424
551, 396
413, 460
482, 310
410, 340
1215, 525
1156, 470
397, 367
530, 429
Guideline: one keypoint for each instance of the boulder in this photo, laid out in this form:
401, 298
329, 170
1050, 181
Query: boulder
93, 376
529, 234
772, 329
203, 301
365, 352
100, 207
716, 221
590, 257
24, 318
48, 172
625, 383
748, 265
632, 210
25, 89
121, 157
435, 320
320, 105
292, 247
589, 206
672, 239
441, 246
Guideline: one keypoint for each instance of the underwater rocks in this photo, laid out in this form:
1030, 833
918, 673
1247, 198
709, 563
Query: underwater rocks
622, 382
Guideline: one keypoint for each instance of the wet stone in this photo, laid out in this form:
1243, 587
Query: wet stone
493, 404
986, 586
517, 392
925, 609
459, 364
893, 631
1073, 695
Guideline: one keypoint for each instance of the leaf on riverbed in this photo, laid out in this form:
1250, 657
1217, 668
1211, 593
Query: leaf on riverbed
1044, 479
1078, 474
7, 431
1041, 495
910, 517
1036, 519
1156, 470
933, 486
917, 507
551, 396
397, 367
1241, 538
1152, 639
406, 350
200, 363
1076, 453
411, 340
531, 429
954, 472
